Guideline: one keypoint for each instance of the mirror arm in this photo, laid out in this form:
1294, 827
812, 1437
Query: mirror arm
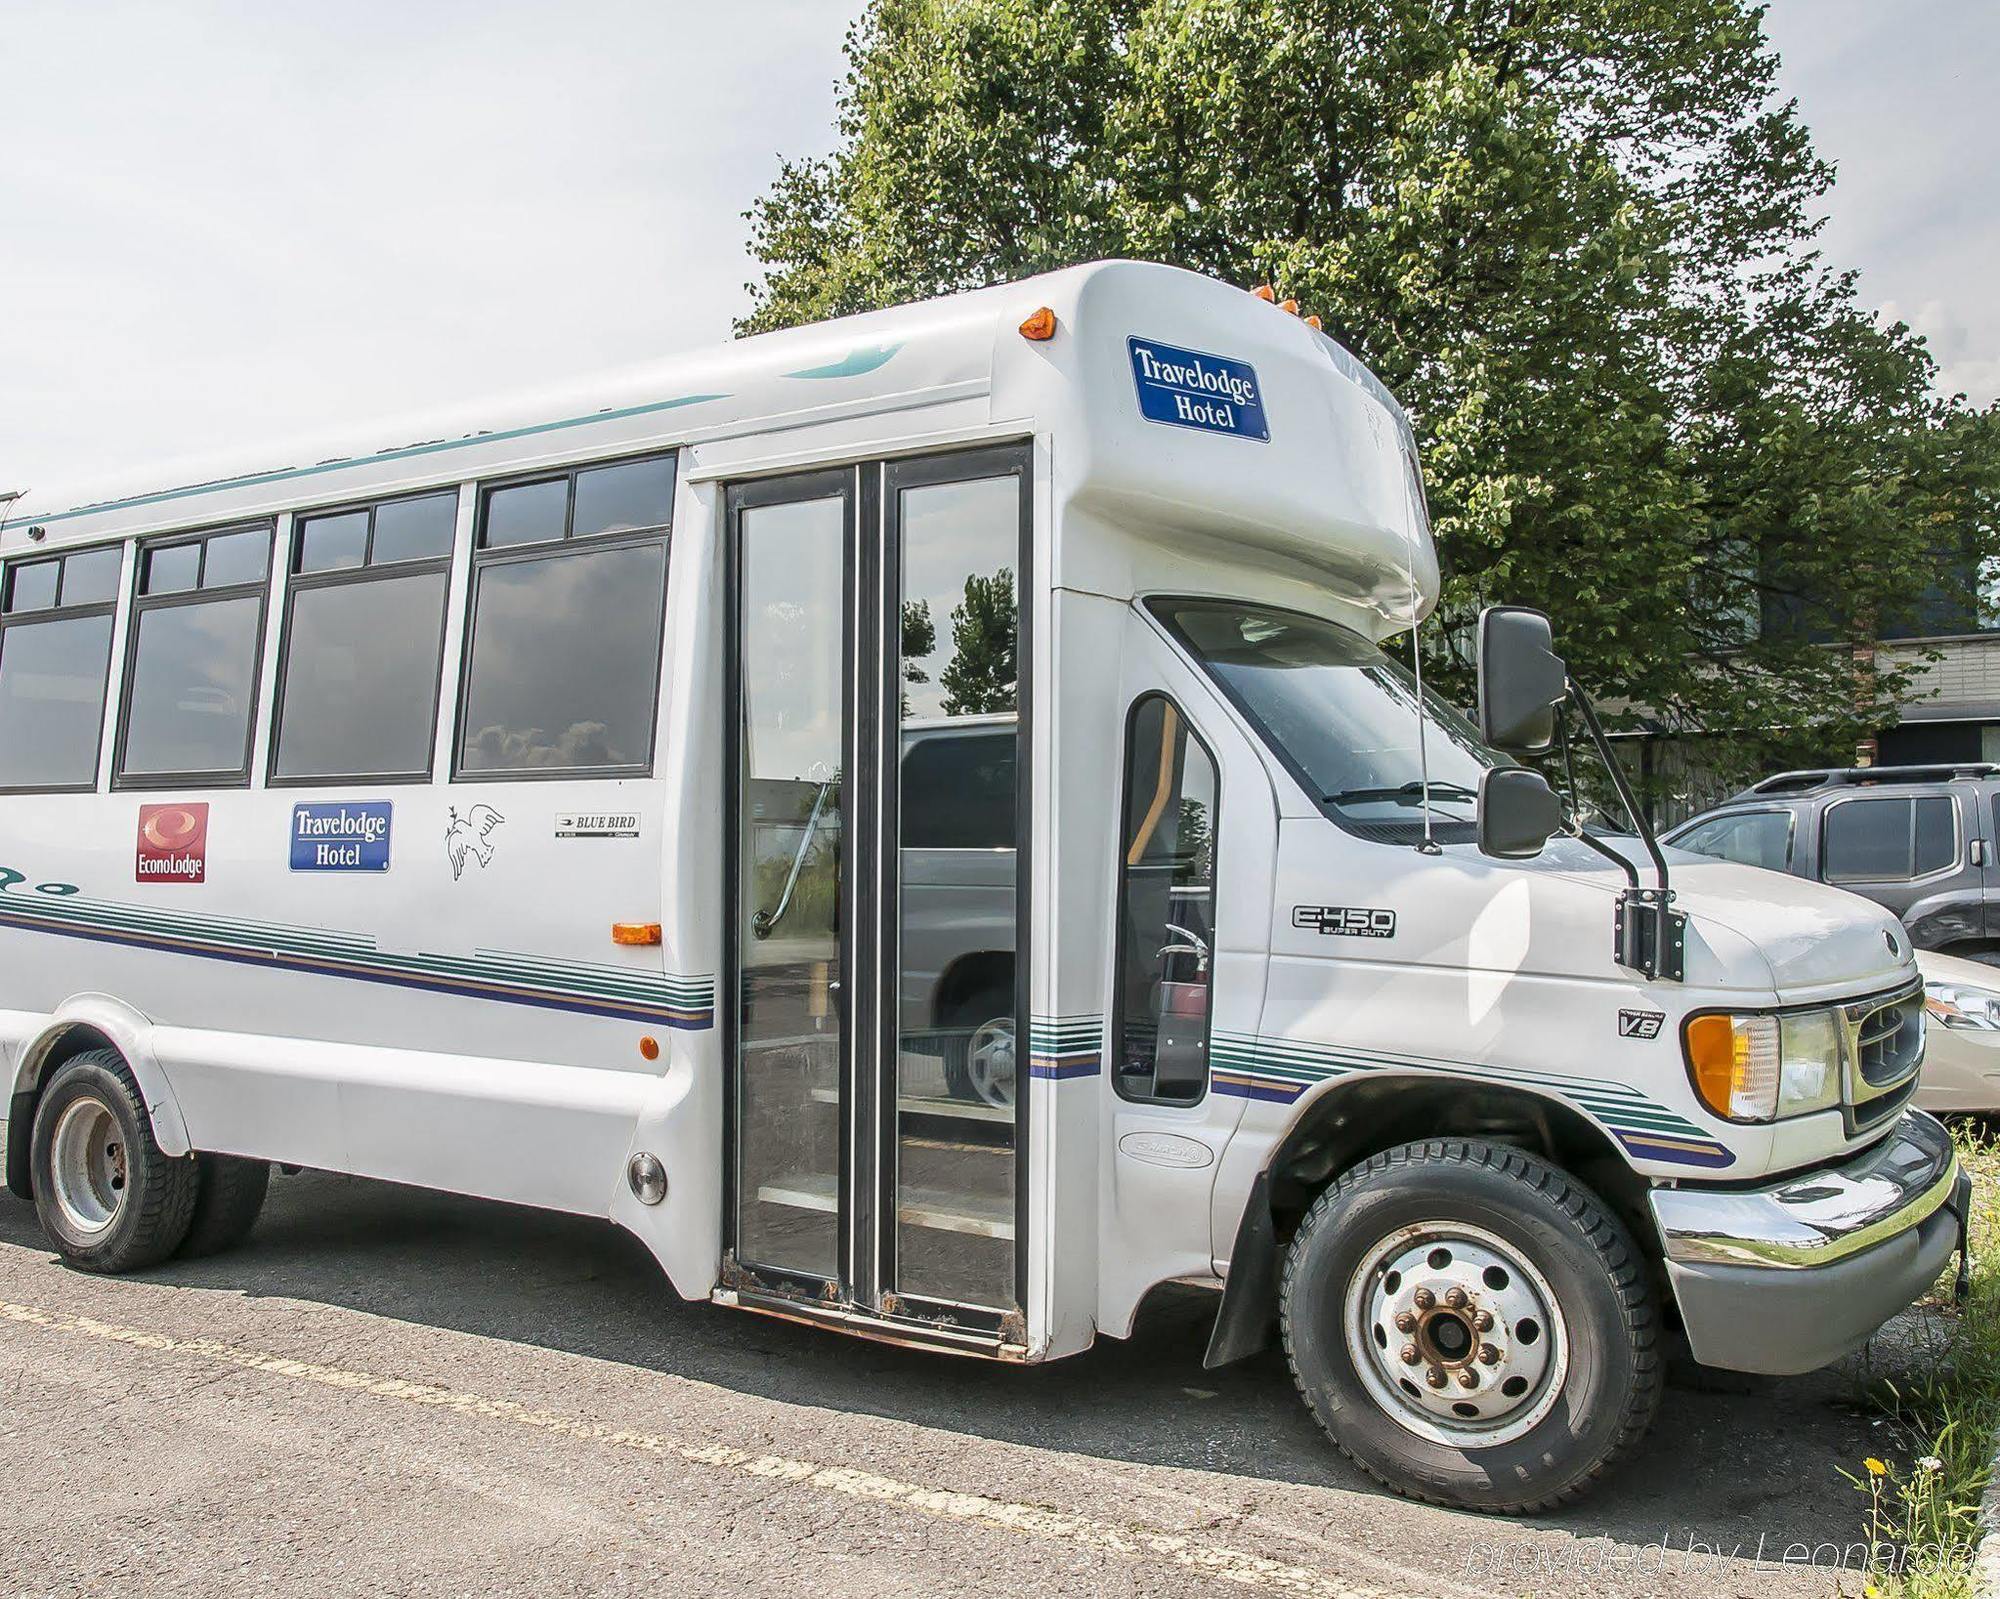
1652, 935
1631, 872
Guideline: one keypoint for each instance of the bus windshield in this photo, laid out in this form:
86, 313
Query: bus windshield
1339, 713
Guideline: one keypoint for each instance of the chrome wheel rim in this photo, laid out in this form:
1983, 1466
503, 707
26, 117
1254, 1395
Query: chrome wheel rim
1456, 1335
989, 1062
89, 1166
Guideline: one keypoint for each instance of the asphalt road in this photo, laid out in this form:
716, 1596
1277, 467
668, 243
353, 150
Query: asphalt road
395, 1392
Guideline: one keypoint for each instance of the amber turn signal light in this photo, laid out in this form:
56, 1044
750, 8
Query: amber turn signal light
1040, 327
1711, 1051
635, 932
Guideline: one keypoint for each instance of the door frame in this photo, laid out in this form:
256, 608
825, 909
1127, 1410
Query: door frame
1015, 459
868, 1003
842, 483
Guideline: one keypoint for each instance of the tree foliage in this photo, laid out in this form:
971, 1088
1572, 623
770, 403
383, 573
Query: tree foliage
1577, 237
982, 674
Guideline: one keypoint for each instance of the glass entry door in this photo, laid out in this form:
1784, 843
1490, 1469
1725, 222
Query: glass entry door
792, 806
877, 883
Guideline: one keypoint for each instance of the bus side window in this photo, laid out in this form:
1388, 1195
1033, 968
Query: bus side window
358, 688
191, 674
562, 668
1166, 910
55, 657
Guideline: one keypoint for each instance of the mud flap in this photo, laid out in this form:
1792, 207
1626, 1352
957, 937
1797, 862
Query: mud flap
1248, 1318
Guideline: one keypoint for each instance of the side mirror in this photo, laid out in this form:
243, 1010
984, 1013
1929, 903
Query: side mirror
1518, 813
1521, 680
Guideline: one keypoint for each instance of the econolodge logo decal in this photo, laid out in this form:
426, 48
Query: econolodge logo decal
173, 843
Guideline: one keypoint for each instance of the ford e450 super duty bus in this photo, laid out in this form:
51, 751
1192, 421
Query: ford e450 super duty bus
914, 818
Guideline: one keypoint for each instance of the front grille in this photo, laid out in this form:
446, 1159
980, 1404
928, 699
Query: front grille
1888, 1039
1883, 1046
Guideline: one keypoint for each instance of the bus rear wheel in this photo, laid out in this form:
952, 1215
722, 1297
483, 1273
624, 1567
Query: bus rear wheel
1472, 1327
108, 1197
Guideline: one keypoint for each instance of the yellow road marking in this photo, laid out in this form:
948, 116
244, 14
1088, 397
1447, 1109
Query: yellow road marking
1081, 1532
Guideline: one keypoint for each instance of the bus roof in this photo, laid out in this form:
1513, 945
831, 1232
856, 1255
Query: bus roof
1327, 489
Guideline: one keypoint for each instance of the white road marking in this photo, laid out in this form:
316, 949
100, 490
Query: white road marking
1081, 1532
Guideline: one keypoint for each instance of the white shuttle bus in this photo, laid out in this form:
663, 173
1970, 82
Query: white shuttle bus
913, 818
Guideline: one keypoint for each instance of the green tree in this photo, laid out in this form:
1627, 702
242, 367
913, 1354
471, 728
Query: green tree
1576, 237
981, 675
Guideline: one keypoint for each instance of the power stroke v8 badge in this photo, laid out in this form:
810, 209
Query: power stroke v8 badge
1345, 921
1640, 1023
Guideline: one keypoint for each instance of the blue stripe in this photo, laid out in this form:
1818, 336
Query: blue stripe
464, 988
407, 452
1053, 1070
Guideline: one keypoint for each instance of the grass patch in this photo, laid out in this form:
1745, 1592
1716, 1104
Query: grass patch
1924, 1489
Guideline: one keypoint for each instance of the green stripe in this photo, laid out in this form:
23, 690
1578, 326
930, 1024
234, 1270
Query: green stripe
564, 978
407, 452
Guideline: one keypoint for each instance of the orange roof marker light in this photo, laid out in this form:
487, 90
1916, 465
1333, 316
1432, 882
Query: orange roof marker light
1266, 293
1315, 324
1040, 327
635, 932
1289, 307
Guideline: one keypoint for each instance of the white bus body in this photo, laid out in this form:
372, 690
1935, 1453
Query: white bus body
919, 687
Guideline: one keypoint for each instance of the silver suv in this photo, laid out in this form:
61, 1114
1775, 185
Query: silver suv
1918, 840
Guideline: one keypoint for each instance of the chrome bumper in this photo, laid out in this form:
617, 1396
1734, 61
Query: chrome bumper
1819, 1217
1790, 1278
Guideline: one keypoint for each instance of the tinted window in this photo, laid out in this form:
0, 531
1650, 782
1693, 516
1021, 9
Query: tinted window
52, 676
414, 530
172, 569
1166, 910
90, 577
1937, 836
528, 513
958, 791
1875, 840
359, 696
1753, 838
235, 558
564, 660
194, 677
634, 494
332, 543
32, 586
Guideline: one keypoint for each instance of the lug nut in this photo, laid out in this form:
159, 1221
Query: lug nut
1488, 1355
1424, 1298
1435, 1376
1467, 1377
1454, 1299
1408, 1356
1406, 1321
1483, 1321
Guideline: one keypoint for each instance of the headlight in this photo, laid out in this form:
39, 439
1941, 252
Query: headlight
1758, 1067
1958, 1005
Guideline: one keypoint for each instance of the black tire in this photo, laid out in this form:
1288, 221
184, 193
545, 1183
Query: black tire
225, 1209
1597, 1410
147, 1197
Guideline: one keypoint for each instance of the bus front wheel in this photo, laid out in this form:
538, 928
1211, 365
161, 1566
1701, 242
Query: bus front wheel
1471, 1326
108, 1197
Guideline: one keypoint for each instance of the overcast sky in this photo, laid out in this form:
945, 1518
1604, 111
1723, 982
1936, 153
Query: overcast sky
227, 222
